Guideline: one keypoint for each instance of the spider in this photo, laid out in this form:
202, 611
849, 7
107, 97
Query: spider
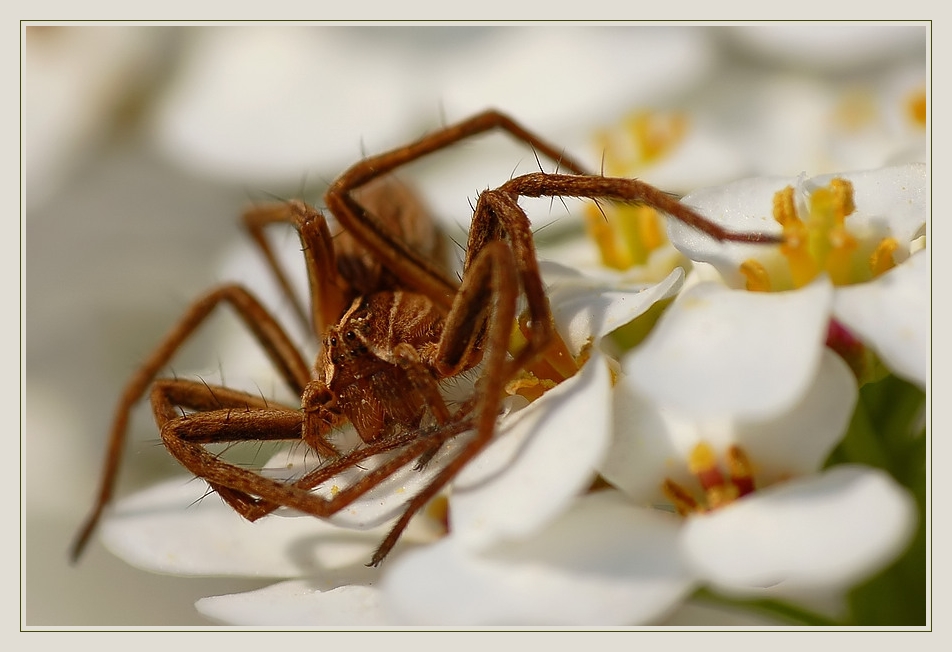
392, 325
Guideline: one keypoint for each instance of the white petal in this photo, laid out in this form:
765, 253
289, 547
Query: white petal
269, 104
894, 197
543, 456
891, 314
720, 353
744, 206
298, 603
379, 505
603, 562
651, 444
174, 527
825, 531
611, 69
586, 309
799, 440
829, 47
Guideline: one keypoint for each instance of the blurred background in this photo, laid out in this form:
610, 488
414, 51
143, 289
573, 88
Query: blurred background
142, 145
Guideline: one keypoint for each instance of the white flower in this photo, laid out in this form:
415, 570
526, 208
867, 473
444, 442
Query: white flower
732, 405
862, 229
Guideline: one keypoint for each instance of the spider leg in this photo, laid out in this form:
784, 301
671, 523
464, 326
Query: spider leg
416, 270
328, 294
630, 191
488, 293
263, 326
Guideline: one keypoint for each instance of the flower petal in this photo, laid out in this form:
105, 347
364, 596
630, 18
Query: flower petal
719, 353
176, 527
543, 456
244, 107
298, 603
378, 505
650, 444
896, 197
602, 562
891, 314
824, 531
587, 309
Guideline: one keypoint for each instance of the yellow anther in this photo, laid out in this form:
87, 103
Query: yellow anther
784, 208
740, 470
683, 502
438, 509
718, 490
701, 459
756, 274
882, 259
843, 203
721, 495
916, 107
656, 133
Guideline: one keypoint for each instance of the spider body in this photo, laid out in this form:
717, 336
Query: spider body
359, 361
393, 326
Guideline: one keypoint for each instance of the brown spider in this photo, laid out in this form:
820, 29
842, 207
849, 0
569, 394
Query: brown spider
392, 326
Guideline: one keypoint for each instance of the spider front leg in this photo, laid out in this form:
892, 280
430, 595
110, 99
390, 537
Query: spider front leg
483, 313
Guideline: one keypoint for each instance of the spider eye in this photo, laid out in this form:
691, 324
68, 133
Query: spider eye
333, 341
350, 336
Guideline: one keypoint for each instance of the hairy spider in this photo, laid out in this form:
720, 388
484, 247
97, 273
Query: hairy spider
392, 325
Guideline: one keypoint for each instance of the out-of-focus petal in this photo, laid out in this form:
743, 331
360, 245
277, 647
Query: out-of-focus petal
824, 531
891, 314
270, 104
602, 562
298, 603
176, 527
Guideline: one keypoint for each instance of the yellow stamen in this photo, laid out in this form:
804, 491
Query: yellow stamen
599, 228
916, 107
842, 199
721, 495
839, 262
627, 235
795, 247
756, 274
718, 490
882, 259
438, 509
701, 459
656, 133
680, 498
740, 470
549, 368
